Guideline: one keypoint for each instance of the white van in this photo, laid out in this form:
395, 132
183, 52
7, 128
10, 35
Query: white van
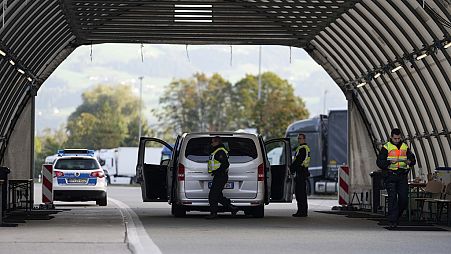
183, 180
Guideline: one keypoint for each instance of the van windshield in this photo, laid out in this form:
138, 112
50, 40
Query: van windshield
241, 150
77, 164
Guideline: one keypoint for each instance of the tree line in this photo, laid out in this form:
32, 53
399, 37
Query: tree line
108, 115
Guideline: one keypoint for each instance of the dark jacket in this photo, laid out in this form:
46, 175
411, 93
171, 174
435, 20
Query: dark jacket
221, 156
383, 163
296, 166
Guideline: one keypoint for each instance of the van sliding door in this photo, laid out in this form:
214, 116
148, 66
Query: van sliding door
152, 175
279, 156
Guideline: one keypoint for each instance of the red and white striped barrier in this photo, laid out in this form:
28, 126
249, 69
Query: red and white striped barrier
47, 184
343, 181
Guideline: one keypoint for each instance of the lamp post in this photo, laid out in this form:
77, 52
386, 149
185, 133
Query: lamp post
140, 106
324, 101
259, 92
259, 73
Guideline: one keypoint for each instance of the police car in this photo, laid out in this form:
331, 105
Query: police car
78, 176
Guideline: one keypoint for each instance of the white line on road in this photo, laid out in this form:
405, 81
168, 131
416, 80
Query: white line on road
138, 240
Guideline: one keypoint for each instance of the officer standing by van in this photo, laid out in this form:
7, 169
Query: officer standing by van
299, 167
218, 166
394, 159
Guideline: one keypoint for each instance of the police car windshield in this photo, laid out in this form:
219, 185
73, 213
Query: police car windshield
241, 150
77, 164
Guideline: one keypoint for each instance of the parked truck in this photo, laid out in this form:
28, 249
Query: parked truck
327, 137
120, 162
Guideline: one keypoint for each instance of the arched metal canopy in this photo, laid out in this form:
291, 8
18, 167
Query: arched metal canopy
391, 58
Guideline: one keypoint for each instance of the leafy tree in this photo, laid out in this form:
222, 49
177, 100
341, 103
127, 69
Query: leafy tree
217, 97
132, 137
105, 119
196, 104
277, 108
47, 144
213, 104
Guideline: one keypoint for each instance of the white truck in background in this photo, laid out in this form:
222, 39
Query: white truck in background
120, 163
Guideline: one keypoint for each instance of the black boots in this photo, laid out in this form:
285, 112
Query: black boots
392, 225
212, 216
298, 214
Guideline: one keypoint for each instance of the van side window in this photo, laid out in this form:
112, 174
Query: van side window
241, 150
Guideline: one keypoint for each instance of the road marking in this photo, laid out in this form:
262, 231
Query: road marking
136, 236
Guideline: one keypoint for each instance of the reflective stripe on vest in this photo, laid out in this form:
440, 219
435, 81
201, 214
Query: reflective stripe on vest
306, 162
213, 164
399, 154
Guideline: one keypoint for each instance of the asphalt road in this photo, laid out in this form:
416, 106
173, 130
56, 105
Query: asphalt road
278, 232
127, 225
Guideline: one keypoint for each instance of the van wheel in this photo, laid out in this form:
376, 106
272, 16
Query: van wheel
178, 210
258, 211
102, 202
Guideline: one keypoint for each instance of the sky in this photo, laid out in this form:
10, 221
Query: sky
116, 64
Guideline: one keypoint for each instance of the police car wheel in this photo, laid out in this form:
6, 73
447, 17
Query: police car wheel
102, 202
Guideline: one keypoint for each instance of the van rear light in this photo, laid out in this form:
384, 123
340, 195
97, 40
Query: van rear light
58, 173
98, 174
261, 173
181, 172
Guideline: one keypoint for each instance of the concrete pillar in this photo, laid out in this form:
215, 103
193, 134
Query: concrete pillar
19, 153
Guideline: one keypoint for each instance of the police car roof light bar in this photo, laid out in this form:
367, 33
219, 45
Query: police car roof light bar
76, 152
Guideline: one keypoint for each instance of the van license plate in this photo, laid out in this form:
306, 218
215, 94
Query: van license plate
228, 185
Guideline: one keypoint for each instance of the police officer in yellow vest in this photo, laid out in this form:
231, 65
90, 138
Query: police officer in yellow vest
300, 168
395, 159
218, 166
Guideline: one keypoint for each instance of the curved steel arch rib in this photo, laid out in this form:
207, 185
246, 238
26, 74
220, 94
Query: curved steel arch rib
352, 40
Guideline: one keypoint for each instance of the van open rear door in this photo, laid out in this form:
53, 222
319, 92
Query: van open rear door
279, 156
153, 178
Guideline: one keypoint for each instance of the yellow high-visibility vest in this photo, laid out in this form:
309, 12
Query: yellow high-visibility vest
399, 154
213, 164
306, 162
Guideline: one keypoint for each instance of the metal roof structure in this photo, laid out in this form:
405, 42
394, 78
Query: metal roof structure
390, 57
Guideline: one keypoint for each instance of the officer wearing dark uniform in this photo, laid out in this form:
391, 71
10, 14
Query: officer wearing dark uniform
394, 159
300, 168
218, 166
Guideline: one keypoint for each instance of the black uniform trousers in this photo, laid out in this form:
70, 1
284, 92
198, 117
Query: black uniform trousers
300, 191
398, 191
215, 196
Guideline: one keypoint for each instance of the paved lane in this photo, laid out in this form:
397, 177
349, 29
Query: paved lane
278, 232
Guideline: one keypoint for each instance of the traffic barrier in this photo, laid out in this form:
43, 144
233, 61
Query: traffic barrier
47, 184
343, 190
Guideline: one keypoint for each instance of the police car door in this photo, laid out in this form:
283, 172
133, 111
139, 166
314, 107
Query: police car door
278, 152
152, 175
